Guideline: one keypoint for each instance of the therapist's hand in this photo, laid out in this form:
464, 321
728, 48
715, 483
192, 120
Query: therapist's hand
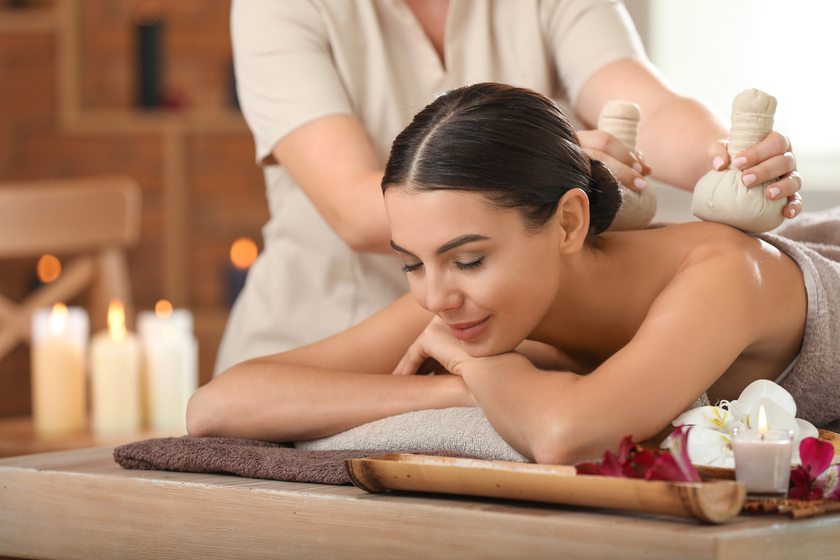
770, 160
629, 168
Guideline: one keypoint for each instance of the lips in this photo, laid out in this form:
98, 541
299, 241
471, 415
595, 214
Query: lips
469, 331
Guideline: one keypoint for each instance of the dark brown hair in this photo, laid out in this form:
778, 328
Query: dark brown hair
511, 144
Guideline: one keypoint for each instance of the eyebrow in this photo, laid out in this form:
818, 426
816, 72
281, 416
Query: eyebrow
457, 242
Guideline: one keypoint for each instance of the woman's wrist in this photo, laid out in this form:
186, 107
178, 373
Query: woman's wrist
457, 391
480, 368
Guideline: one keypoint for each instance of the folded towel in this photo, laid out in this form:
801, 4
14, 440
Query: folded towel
813, 241
245, 457
461, 429
466, 430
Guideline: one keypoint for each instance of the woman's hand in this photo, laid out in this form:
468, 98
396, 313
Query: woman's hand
438, 343
772, 160
629, 168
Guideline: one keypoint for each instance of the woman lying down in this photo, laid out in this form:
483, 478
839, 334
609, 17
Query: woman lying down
567, 336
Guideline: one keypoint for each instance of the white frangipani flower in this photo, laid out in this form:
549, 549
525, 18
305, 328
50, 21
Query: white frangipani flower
710, 441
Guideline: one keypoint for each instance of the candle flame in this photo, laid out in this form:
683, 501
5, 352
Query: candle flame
58, 318
163, 309
762, 420
116, 320
243, 252
48, 268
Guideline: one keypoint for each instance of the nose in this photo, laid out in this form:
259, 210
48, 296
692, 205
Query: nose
442, 293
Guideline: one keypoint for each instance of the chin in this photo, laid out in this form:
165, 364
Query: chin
484, 348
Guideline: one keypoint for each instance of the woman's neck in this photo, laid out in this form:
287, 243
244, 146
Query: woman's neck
604, 293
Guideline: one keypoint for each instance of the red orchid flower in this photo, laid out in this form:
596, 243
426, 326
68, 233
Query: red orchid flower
816, 477
632, 462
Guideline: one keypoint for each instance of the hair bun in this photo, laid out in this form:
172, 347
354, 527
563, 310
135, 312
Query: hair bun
605, 197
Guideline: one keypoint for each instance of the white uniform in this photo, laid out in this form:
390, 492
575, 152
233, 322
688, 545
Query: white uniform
299, 60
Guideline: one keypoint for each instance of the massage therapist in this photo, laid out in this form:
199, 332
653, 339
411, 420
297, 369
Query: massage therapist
326, 86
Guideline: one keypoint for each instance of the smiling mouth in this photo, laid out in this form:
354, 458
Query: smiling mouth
469, 331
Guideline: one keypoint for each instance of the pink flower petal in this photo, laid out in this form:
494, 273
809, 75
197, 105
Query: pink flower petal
666, 468
679, 449
816, 455
625, 449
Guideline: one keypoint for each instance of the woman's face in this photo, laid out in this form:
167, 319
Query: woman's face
475, 266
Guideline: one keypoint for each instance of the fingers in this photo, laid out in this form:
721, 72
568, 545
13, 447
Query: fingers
794, 206
769, 170
769, 159
628, 168
775, 144
717, 154
772, 161
411, 361
786, 187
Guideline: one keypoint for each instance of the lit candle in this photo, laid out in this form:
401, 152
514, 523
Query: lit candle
243, 253
762, 458
170, 353
115, 377
59, 347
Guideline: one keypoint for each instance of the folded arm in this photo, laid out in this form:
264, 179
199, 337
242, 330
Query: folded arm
327, 387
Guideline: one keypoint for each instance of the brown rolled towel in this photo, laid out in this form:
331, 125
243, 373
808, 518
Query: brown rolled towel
245, 457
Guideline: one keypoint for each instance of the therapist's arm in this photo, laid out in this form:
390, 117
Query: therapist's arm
332, 160
682, 138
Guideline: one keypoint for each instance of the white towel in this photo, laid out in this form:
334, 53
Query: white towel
458, 429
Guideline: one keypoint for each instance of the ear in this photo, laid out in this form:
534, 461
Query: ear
573, 218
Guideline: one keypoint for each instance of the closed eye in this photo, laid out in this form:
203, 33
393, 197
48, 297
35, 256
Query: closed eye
411, 267
469, 265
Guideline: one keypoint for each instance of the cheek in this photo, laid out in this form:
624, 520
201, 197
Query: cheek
418, 290
530, 291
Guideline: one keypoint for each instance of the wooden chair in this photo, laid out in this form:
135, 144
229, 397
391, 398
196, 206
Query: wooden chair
92, 221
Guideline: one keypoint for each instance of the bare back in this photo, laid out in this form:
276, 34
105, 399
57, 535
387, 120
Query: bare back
681, 275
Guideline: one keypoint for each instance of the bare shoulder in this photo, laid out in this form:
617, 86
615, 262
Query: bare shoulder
753, 282
726, 246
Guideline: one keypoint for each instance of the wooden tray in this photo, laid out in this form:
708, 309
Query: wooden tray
710, 502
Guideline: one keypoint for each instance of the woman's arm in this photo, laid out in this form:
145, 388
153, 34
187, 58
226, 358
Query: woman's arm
297, 106
326, 387
332, 160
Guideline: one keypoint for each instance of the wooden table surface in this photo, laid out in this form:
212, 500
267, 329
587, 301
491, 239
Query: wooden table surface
81, 504
19, 437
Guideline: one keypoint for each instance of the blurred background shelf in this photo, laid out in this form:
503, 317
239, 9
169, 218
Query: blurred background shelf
18, 437
69, 109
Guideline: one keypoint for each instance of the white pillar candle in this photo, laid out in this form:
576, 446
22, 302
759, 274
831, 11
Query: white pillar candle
59, 349
170, 353
762, 459
115, 377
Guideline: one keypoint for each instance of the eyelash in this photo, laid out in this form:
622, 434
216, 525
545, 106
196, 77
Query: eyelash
469, 265
461, 266
411, 267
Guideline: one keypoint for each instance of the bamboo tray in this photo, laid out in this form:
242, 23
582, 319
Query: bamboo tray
710, 502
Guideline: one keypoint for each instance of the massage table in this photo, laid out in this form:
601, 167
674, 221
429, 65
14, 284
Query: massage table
81, 504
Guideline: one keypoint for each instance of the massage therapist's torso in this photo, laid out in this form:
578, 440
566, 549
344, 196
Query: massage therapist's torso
645, 274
